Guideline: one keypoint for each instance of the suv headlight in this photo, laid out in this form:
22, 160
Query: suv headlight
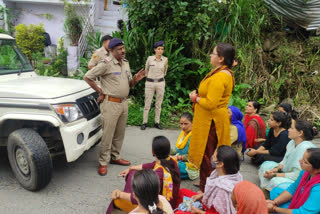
68, 112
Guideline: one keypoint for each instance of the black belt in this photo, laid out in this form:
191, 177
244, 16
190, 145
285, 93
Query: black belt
155, 80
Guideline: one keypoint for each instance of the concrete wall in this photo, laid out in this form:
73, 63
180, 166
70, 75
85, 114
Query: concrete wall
34, 13
30, 13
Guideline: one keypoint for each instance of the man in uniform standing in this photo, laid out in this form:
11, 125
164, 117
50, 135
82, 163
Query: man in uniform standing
116, 80
101, 53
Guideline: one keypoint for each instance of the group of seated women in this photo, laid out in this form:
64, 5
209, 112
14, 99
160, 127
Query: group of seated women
282, 154
283, 157
143, 182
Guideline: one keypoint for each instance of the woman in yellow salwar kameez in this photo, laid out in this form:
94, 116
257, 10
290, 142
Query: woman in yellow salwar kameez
211, 124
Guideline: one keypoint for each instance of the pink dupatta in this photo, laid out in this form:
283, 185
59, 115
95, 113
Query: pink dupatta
303, 191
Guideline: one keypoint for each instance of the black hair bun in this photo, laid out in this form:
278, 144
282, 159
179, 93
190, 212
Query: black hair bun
314, 131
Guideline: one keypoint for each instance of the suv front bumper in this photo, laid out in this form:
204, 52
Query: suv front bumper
92, 133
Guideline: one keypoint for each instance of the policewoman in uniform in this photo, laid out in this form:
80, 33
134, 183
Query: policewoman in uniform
116, 80
156, 70
101, 53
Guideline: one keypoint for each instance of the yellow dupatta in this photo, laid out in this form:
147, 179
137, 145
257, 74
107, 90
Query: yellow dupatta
167, 187
182, 143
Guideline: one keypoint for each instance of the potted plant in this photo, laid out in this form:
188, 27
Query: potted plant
73, 30
46, 60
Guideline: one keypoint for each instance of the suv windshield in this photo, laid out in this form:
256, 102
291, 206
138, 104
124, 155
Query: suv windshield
11, 58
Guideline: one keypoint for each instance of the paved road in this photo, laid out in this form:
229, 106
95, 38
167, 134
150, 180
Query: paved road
77, 188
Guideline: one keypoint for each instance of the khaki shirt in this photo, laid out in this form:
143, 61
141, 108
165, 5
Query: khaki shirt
98, 56
114, 77
156, 69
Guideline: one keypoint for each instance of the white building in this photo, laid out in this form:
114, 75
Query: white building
51, 14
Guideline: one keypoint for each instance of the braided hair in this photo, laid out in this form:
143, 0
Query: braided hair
161, 149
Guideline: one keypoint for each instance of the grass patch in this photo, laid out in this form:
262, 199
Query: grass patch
168, 119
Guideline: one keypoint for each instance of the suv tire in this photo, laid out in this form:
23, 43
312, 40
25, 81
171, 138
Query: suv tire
29, 158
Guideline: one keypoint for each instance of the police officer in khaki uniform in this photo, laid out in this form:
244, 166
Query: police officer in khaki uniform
101, 53
116, 80
156, 70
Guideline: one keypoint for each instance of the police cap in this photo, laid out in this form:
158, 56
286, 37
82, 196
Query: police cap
158, 44
115, 42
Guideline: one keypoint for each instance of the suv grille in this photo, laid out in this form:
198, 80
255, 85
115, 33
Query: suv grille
89, 106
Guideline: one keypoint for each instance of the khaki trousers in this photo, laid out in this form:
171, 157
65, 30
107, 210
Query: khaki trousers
152, 87
114, 119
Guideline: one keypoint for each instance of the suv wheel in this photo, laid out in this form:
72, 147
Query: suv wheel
29, 158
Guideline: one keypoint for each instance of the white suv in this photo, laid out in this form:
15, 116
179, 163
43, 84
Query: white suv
41, 117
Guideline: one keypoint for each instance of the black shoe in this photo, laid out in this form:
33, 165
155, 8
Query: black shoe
158, 126
143, 126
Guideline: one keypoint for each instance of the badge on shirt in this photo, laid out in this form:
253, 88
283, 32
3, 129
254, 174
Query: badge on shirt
129, 76
95, 57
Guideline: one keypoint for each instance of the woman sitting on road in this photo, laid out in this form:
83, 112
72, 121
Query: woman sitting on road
164, 166
217, 194
286, 107
272, 174
145, 187
303, 196
180, 151
274, 148
254, 124
237, 130
247, 198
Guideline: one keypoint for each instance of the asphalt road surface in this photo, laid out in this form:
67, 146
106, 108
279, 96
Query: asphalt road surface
77, 188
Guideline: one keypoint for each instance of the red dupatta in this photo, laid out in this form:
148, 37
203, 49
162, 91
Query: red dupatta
303, 191
255, 128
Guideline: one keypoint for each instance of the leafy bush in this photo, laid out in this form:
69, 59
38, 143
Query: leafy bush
236, 97
30, 39
198, 24
57, 67
94, 41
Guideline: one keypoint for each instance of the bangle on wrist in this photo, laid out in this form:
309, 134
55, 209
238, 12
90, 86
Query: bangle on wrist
195, 98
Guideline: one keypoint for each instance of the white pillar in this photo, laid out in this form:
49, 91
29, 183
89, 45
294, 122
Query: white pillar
72, 60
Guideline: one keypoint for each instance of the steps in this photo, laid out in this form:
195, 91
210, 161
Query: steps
107, 23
